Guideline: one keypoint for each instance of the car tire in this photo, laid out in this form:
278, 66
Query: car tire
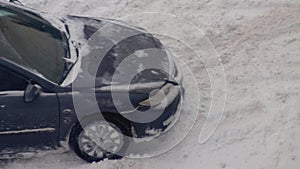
82, 131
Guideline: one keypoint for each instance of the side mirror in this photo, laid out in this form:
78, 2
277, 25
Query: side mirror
31, 92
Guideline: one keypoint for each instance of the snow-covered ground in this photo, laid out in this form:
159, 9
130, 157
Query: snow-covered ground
259, 46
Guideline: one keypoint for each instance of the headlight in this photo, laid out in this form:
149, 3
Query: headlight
158, 97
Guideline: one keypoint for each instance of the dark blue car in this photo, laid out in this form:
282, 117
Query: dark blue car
53, 71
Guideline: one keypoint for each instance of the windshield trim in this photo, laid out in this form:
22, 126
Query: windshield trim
72, 50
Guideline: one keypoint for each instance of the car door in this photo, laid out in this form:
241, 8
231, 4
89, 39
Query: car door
26, 126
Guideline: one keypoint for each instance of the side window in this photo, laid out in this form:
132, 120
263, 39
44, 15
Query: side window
10, 81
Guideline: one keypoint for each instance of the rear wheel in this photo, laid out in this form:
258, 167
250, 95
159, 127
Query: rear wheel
96, 139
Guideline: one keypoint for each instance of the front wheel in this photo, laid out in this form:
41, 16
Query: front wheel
94, 140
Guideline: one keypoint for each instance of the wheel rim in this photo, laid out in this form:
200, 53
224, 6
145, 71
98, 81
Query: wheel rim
100, 139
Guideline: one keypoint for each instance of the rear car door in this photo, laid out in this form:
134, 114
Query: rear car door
26, 126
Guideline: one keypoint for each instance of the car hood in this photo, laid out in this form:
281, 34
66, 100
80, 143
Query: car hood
113, 53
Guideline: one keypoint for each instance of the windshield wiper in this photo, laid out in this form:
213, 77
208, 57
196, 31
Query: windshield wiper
16, 2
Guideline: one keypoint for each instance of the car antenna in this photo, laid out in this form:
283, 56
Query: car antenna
16, 1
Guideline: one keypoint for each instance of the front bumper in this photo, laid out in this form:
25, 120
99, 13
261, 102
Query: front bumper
165, 121
171, 112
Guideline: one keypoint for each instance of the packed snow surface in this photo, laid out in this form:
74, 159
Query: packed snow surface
259, 46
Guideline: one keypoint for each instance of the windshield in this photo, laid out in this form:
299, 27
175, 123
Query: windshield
31, 42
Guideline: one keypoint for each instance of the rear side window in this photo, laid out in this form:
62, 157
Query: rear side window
10, 81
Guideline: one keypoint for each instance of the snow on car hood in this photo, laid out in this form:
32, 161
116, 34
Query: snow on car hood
113, 53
